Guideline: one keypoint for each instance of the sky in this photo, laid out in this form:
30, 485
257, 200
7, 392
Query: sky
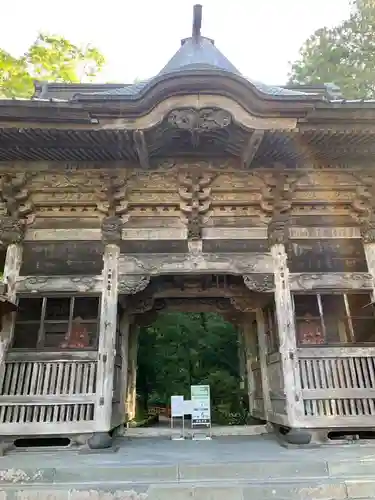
138, 37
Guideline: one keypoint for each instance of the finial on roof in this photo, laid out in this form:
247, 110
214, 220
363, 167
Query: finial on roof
197, 21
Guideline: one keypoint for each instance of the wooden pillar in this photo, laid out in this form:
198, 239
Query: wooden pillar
107, 338
261, 330
124, 327
13, 262
368, 238
241, 357
131, 400
277, 235
250, 346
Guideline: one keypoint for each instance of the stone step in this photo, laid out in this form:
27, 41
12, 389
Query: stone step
256, 471
215, 490
60, 473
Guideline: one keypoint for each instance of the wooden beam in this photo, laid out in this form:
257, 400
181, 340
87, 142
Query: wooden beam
141, 148
251, 148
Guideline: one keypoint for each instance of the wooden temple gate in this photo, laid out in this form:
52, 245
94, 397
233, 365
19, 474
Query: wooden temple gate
196, 188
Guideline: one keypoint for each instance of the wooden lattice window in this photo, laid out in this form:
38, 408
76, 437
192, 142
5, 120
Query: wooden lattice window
56, 323
338, 318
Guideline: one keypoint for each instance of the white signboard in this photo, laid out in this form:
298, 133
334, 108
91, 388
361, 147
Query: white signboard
188, 407
177, 406
201, 405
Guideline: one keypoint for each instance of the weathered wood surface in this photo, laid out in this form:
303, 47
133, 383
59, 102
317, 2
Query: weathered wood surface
62, 258
154, 233
125, 329
69, 234
195, 263
363, 351
234, 233
153, 246
42, 390
132, 371
262, 343
241, 246
316, 256
65, 284
249, 337
338, 382
287, 335
107, 336
54, 356
322, 233
330, 281
130, 284
13, 262
369, 248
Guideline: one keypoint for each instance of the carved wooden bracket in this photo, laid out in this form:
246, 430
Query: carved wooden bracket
113, 197
111, 230
195, 194
14, 195
130, 285
259, 282
363, 209
16, 207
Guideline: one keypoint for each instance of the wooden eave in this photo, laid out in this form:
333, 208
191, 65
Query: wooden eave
110, 145
36, 112
91, 110
210, 82
339, 116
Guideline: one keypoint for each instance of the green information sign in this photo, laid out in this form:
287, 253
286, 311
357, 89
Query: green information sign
201, 405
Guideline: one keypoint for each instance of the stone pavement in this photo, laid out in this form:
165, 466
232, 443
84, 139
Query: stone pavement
231, 468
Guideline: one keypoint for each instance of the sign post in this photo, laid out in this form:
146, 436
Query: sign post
201, 409
177, 412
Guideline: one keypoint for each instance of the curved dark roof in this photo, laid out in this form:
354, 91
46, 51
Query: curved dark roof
197, 53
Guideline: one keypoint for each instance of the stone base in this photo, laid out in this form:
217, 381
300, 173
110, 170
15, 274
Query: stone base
292, 436
100, 441
316, 438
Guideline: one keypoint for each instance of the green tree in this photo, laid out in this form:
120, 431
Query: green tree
343, 55
180, 350
50, 58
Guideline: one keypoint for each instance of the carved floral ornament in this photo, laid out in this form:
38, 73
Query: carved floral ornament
130, 285
262, 283
12, 230
199, 120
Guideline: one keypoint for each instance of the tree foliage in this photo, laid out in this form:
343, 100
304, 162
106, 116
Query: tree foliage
181, 350
50, 58
343, 55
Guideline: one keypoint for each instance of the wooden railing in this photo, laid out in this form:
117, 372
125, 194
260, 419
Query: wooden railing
48, 392
338, 382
